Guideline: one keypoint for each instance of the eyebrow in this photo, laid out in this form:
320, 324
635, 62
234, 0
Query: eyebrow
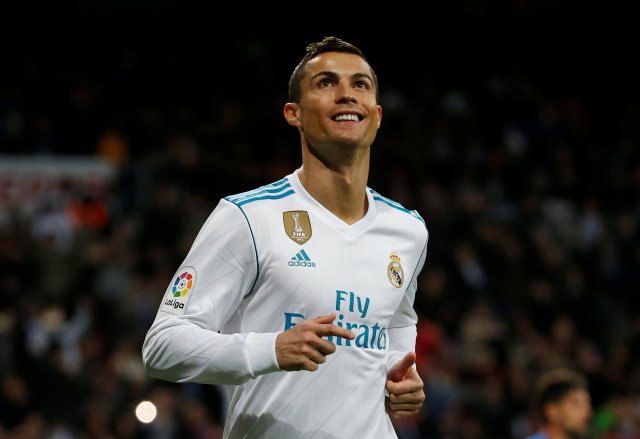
334, 75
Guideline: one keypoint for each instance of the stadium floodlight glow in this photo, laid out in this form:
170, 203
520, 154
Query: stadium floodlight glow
146, 412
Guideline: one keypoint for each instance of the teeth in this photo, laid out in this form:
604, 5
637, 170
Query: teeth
353, 117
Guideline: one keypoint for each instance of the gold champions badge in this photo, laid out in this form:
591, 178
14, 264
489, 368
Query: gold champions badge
394, 270
297, 225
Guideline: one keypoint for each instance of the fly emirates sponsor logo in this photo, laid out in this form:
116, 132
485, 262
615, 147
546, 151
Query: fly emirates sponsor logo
352, 309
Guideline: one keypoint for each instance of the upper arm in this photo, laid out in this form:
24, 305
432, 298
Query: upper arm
405, 314
222, 265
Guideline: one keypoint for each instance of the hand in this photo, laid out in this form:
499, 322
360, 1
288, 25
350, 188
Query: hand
405, 387
303, 348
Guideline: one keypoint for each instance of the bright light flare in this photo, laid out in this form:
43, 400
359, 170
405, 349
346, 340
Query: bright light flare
146, 412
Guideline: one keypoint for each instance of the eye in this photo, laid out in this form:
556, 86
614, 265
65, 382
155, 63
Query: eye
325, 82
361, 84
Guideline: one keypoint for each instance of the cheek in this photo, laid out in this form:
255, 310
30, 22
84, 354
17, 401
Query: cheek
374, 124
578, 415
375, 115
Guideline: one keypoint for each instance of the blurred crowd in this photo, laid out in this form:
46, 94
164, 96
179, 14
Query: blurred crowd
529, 189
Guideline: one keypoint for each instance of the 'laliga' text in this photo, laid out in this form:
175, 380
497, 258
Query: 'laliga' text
174, 303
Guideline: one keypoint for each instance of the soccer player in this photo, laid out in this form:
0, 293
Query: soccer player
562, 399
299, 294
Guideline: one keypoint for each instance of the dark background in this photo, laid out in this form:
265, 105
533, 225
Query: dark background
511, 126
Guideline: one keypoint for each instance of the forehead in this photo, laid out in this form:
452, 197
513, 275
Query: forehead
576, 395
338, 62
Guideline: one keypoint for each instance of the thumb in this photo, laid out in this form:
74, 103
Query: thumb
328, 318
401, 369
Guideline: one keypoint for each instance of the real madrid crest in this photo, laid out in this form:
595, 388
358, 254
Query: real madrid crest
297, 225
394, 270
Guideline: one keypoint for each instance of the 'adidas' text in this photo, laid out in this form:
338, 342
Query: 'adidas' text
301, 259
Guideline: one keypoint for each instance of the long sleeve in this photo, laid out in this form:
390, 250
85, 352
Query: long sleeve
402, 329
184, 343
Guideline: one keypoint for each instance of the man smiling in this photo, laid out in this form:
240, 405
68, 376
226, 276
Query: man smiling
299, 294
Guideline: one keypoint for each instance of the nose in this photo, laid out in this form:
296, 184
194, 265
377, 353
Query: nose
345, 94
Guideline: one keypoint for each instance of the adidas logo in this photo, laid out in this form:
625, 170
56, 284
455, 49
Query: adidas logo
301, 259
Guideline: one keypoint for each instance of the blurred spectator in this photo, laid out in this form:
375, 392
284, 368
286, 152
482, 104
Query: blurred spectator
563, 405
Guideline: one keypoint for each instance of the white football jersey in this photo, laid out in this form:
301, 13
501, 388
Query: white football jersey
263, 261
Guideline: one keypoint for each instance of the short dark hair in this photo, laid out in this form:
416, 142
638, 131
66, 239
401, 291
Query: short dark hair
328, 44
554, 385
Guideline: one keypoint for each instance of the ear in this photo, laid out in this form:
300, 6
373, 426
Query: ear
379, 115
292, 114
551, 412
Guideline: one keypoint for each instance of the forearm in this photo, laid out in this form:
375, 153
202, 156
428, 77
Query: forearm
401, 341
179, 351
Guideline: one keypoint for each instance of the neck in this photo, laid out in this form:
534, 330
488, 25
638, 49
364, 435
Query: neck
341, 187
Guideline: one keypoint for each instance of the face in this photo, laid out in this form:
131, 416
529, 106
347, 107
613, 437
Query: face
573, 413
338, 107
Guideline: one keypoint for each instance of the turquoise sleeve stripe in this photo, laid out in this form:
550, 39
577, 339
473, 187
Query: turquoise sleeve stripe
265, 197
252, 194
395, 205
257, 190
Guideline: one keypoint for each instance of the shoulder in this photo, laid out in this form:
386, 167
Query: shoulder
273, 191
392, 207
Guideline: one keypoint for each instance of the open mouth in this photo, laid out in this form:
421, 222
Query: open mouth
347, 117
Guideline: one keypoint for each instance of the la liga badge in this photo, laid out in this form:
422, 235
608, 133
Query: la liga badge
179, 291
